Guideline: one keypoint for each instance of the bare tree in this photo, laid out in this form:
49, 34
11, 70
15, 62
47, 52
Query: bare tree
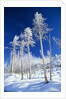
40, 29
29, 40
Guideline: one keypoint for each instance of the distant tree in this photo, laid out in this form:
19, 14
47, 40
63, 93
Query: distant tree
57, 61
40, 30
18, 56
30, 41
16, 62
50, 58
10, 66
26, 66
5, 68
22, 46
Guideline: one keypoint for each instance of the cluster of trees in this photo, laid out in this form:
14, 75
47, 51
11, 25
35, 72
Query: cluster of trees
23, 42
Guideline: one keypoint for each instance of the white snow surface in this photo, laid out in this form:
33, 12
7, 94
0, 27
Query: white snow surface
13, 83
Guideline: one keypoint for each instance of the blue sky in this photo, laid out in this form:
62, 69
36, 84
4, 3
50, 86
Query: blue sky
16, 19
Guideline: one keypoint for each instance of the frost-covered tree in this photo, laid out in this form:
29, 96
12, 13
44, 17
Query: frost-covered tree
22, 46
40, 29
57, 41
14, 44
30, 41
50, 58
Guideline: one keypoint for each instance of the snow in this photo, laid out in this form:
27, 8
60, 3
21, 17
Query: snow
13, 83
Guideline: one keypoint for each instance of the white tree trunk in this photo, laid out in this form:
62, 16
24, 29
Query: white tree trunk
25, 67
22, 63
12, 66
43, 58
50, 59
29, 61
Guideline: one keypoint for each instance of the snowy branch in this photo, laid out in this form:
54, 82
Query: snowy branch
58, 41
40, 25
15, 41
29, 36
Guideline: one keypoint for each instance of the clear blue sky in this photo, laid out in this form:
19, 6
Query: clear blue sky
16, 19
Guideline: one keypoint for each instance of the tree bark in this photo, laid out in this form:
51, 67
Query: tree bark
43, 58
50, 59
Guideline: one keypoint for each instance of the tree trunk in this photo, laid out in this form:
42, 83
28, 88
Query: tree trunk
29, 61
25, 67
43, 58
19, 69
50, 59
22, 63
12, 66
18, 63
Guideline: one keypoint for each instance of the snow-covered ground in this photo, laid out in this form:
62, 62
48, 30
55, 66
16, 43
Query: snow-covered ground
13, 83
